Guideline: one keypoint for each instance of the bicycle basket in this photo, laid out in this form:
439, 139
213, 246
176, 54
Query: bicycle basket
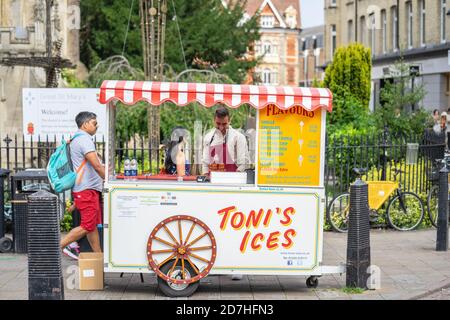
379, 192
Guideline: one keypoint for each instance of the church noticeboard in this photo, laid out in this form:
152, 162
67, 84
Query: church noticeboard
52, 112
289, 147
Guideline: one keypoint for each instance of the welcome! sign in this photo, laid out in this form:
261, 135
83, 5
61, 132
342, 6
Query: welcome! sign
52, 112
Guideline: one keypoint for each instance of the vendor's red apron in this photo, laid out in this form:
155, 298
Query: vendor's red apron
222, 153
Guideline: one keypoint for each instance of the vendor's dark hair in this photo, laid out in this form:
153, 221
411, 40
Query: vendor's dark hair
169, 165
222, 112
84, 117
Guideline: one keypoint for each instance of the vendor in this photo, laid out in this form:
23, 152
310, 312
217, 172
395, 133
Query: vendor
224, 148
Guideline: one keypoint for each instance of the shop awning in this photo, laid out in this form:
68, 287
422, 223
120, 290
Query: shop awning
208, 95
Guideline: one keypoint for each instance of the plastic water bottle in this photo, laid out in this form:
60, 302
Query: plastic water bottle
127, 169
133, 169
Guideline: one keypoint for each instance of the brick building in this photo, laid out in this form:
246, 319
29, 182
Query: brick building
280, 23
418, 30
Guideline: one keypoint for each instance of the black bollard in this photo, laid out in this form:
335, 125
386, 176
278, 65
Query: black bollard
6, 244
358, 241
45, 280
442, 221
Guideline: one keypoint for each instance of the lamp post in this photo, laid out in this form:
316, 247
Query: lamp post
305, 54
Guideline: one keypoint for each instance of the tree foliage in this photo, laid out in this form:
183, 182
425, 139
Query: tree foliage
400, 108
103, 29
210, 33
214, 38
349, 79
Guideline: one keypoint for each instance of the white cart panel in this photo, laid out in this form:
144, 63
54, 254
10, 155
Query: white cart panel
287, 240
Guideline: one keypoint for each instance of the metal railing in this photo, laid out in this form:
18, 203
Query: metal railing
377, 152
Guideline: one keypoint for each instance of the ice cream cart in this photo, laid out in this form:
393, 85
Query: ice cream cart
185, 230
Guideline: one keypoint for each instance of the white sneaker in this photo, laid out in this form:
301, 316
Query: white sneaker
74, 245
236, 277
70, 252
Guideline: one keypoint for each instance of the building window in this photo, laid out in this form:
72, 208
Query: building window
372, 33
443, 22
267, 21
269, 77
447, 87
267, 48
363, 30
291, 76
333, 3
423, 39
384, 30
333, 39
2, 90
350, 31
394, 28
409, 21
258, 49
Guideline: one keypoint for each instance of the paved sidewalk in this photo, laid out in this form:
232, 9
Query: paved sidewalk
410, 268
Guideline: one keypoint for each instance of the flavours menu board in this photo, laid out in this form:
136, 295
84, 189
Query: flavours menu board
289, 147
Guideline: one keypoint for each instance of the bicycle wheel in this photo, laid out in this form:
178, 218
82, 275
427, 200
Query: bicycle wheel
432, 205
338, 211
405, 214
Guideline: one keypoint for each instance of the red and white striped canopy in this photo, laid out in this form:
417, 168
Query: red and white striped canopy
208, 95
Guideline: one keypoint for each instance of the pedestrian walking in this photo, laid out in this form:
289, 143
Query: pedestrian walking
88, 186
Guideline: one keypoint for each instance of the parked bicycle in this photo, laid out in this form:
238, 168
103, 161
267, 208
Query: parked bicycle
433, 195
404, 211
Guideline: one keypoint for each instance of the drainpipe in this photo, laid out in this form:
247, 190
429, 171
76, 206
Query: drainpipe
398, 25
356, 20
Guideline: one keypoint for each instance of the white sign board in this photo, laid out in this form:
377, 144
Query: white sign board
52, 112
256, 232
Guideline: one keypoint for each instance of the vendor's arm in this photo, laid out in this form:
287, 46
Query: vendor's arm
242, 157
205, 156
93, 159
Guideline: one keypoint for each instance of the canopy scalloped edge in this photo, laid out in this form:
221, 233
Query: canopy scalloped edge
208, 95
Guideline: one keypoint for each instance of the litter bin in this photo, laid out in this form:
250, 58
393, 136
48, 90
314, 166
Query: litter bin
412, 153
23, 184
6, 244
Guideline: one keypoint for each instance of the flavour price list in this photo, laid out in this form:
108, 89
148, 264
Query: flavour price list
289, 146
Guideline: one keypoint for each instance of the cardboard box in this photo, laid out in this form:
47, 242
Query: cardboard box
90, 266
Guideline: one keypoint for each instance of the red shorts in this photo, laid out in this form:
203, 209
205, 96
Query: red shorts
88, 203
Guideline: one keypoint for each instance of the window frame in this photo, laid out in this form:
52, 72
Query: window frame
333, 39
409, 24
394, 28
363, 31
267, 21
383, 16
350, 29
372, 33
443, 16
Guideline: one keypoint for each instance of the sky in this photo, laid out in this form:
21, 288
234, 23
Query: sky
312, 13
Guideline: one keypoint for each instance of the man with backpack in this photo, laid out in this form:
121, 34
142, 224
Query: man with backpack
88, 186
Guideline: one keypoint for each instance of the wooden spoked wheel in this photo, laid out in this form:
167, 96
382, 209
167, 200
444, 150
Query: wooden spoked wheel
195, 252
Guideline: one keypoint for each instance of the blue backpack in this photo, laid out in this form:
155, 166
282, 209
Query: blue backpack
60, 171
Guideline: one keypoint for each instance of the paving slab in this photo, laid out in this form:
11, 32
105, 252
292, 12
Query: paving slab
409, 268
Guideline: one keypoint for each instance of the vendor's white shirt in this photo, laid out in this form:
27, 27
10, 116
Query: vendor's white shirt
236, 145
